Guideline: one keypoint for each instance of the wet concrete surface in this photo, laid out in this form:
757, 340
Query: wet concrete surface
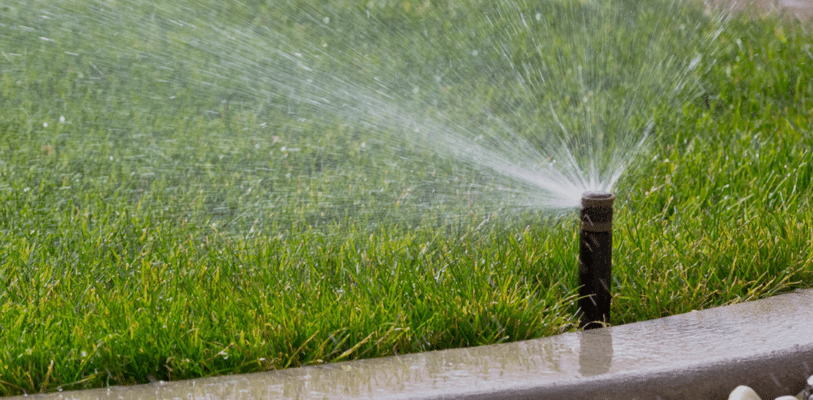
765, 344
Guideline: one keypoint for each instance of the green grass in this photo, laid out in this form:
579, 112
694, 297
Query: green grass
189, 217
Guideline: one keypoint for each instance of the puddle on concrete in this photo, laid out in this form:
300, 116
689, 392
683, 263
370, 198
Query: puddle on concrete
764, 344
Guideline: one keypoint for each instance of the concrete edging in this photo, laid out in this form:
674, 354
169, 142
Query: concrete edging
765, 344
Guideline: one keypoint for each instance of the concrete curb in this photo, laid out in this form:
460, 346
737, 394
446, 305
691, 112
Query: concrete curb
765, 344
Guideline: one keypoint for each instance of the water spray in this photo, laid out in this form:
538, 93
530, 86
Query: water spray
595, 259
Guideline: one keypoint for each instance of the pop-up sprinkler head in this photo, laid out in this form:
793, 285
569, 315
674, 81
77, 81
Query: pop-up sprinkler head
595, 258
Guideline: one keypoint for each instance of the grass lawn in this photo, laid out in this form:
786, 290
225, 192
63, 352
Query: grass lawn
195, 189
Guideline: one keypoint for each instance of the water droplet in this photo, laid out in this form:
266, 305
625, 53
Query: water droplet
694, 62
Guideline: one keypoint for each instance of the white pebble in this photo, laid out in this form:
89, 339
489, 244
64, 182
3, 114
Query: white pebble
743, 393
786, 398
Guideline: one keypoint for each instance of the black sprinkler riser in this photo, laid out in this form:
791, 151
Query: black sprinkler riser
595, 259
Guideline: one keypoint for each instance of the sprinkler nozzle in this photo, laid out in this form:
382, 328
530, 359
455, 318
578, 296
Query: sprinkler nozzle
595, 259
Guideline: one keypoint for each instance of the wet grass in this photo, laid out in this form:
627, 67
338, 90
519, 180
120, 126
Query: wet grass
163, 216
